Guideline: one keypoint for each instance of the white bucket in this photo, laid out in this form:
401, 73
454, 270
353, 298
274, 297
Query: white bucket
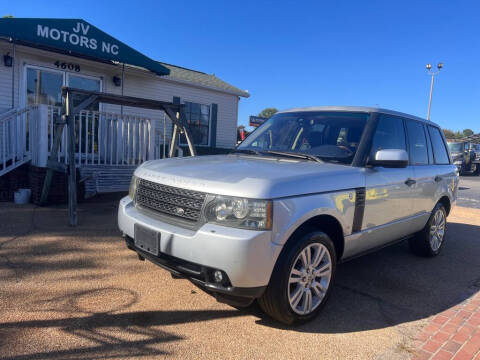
22, 196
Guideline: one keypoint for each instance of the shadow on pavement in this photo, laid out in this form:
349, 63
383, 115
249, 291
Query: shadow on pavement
392, 286
113, 333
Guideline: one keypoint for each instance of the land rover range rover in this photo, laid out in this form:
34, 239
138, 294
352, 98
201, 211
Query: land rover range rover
310, 188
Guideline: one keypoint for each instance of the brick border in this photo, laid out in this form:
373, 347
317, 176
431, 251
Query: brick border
452, 334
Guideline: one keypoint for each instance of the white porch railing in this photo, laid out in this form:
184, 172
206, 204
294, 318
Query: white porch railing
105, 138
102, 138
16, 137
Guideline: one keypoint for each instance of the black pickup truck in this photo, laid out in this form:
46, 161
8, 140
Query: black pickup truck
466, 156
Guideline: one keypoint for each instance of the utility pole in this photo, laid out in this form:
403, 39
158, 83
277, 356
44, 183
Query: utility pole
432, 73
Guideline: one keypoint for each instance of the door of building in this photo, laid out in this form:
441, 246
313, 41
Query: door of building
44, 86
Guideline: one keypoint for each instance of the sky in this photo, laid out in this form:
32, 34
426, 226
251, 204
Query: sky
306, 53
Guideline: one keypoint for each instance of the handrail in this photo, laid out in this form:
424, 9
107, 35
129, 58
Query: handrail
106, 138
15, 138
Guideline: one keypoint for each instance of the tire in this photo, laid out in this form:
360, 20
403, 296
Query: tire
477, 170
307, 287
429, 242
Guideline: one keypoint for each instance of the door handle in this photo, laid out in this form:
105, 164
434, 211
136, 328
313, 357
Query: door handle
438, 178
410, 182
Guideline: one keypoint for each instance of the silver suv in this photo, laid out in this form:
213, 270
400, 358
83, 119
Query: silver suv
310, 188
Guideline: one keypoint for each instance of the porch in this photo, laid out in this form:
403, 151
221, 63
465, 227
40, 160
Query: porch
108, 146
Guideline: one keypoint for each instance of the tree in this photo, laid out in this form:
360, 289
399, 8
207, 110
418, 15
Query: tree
268, 112
449, 134
458, 135
8, 16
467, 132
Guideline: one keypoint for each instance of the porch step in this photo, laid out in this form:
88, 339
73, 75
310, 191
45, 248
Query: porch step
105, 179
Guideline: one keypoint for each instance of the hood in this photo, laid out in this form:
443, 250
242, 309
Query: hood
258, 177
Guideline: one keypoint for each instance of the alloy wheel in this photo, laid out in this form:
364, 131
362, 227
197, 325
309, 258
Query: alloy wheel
309, 278
437, 230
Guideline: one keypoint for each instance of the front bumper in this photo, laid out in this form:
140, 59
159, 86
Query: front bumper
247, 257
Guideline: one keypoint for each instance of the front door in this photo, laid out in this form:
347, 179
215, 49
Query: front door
389, 193
44, 86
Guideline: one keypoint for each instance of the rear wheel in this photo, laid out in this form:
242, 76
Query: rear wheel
429, 242
302, 279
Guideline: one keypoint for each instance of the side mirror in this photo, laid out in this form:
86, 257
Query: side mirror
390, 158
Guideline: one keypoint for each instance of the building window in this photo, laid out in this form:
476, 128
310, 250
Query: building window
198, 117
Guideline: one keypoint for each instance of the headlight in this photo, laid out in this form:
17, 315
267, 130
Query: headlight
133, 187
240, 213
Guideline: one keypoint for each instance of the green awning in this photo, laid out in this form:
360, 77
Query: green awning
75, 37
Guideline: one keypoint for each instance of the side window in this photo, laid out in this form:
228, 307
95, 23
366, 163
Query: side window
439, 149
429, 143
417, 143
389, 134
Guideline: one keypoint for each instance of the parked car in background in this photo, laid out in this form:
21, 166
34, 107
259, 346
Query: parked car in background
310, 188
475, 149
464, 157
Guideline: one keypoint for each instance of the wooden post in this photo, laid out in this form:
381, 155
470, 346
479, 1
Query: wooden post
72, 178
179, 122
53, 155
186, 130
173, 142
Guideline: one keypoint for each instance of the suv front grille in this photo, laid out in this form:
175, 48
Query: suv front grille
169, 200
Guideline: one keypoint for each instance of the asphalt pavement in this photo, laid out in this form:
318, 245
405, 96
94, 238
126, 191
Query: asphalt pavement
469, 192
79, 293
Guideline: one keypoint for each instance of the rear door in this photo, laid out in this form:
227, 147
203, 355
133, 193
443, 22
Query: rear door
421, 159
443, 171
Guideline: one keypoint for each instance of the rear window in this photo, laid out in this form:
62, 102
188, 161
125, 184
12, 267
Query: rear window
439, 150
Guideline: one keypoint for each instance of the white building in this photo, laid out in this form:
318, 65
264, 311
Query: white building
39, 56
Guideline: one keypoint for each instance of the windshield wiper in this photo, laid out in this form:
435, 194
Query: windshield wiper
294, 155
246, 151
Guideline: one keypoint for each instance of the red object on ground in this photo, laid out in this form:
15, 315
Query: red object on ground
452, 334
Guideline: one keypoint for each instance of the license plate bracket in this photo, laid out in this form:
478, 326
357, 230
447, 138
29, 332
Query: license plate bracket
146, 239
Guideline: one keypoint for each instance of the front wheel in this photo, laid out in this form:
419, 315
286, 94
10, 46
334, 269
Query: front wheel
477, 169
429, 242
302, 279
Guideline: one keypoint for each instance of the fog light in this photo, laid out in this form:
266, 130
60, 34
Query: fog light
218, 276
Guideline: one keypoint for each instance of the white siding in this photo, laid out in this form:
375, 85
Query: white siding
137, 83
5, 79
140, 85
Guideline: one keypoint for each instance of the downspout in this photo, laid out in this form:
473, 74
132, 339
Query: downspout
123, 84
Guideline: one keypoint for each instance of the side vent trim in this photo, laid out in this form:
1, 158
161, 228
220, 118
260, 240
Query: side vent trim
359, 210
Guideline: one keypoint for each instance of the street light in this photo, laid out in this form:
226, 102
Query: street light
433, 73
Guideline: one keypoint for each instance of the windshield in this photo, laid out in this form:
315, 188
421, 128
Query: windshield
455, 147
330, 136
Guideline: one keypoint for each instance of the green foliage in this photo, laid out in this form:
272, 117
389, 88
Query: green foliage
268, 112
8, 16
449, 134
